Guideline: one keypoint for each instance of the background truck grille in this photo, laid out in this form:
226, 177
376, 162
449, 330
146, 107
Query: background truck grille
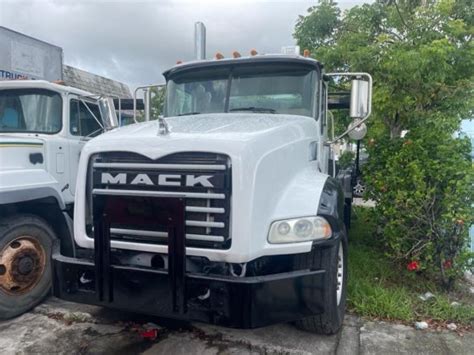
207, 208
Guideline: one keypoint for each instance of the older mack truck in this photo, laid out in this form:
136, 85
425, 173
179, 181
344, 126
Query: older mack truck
227, 209
43, 127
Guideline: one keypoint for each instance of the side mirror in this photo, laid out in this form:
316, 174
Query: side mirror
108, 113
360, 104
357, 129
360, 98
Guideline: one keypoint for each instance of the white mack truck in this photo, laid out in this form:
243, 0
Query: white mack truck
226, 210
43, 128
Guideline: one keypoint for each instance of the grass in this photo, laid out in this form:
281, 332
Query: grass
379, 288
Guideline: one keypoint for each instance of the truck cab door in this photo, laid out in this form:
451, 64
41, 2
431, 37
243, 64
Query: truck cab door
85, 123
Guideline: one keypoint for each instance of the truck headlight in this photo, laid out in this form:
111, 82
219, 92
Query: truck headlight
299, 230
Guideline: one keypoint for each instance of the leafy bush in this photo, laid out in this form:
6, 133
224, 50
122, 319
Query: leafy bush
421, 58
380, 288
423, 186
346, 159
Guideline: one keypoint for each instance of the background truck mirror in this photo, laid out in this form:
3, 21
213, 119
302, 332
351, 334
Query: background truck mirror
108, 113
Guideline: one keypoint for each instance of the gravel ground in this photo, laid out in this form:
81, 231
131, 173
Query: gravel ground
59, 327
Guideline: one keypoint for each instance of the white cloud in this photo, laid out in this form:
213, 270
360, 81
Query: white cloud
135, 42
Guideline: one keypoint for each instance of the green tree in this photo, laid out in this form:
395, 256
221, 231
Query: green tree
421, 57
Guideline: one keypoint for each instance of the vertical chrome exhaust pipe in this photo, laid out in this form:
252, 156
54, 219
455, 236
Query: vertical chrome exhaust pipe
147, 99
199, 41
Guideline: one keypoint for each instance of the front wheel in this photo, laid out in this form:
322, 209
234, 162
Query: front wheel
334, 261
25, 263
359, 188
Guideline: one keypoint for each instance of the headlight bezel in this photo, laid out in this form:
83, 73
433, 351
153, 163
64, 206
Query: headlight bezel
321, 230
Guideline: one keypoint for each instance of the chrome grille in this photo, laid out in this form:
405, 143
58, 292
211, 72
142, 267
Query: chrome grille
207, 208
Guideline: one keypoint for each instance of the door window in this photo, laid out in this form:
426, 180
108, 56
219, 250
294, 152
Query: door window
84, 119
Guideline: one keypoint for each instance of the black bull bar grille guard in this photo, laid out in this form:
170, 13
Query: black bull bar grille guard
245, 302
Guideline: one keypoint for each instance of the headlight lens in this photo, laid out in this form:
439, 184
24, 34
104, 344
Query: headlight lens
284, 228
299, 230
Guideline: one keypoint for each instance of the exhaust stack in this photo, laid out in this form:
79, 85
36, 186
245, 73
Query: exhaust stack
199, 41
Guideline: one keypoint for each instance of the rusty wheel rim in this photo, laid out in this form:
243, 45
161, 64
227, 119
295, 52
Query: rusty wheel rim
22, 264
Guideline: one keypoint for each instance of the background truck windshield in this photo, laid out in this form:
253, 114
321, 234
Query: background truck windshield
252, 89
38, 111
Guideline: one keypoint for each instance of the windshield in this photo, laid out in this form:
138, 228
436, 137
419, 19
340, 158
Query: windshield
30, 110
272, 89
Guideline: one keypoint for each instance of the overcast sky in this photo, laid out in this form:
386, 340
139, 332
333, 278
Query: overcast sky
135, 41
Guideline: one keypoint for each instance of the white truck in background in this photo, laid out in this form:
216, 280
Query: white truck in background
43, 128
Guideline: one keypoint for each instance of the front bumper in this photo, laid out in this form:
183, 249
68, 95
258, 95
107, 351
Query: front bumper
173, 291
238, 302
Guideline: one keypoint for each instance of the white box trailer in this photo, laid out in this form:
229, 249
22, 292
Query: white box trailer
25, 57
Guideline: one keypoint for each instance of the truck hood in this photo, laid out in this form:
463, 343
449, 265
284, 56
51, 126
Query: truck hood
231, 129
274, 173
16, 151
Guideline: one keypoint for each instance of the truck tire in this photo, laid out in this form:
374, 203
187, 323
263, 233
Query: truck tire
25, 263
334, 261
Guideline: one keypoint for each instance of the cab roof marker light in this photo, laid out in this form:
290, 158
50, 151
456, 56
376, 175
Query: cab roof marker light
306, 53
253, 52
219, 56
236, 54
179, 62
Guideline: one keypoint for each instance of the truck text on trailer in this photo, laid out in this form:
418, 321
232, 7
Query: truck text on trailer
224, 210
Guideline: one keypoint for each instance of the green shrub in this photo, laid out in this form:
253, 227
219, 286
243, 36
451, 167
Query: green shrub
346, 159
421, 58
422, 184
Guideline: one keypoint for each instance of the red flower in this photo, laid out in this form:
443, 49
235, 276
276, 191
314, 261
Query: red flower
447, 264
413, 265
150, 334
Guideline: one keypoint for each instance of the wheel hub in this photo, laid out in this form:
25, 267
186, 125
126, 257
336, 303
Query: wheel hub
22, 264
25, 264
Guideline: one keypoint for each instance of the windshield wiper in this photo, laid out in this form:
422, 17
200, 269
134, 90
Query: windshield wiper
189, 113
253, 109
